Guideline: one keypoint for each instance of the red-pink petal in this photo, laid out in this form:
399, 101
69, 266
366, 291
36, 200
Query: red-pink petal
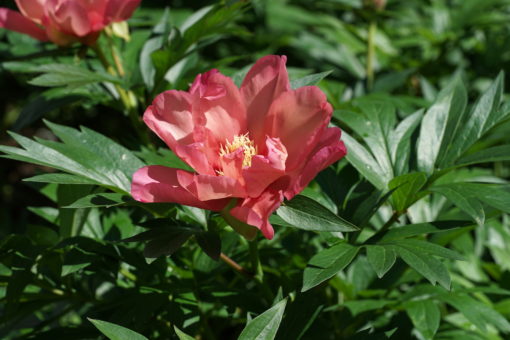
329, 150
69, 17
171, 119
265, 169
298, 118
218, 110
256, 211
32, 9
156, 183
14, 21
120, 10
208, 187
264, 82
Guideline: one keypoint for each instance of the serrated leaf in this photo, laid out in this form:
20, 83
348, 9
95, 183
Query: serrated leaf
327, 263
264, 326
116, 332
305, 213
310, 80
406, 188
380, 258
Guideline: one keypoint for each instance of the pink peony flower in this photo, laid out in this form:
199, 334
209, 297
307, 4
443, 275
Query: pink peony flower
66, 21
258, 144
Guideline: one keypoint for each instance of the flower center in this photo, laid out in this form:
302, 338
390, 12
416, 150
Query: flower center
240, 141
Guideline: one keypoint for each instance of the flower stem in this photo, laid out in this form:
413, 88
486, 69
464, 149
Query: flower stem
257, 269
127, 97
236, 266
372, 29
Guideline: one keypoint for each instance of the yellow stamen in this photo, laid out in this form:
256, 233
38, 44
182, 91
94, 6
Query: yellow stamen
240, 141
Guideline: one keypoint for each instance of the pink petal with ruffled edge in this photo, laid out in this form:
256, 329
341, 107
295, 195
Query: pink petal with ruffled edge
170, 118
207, 187
68, 16
152, 184
264, 82
218, 110
14, 21
265, 169
297, 118
329, 150
256, 211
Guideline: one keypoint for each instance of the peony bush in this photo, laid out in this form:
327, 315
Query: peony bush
254, 170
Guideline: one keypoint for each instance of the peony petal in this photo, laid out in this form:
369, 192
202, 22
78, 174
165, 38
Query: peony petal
264, 170
256, 211
14, 21
120, 10
207, 187
298, 118
156, 183
69, 17
170, 118
218, 110
32, 9
264, 82
329, 150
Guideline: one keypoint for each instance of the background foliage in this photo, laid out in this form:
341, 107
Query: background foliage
407, 237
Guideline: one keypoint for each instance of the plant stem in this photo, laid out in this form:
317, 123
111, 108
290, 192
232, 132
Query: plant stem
372, 29
257, 269
127, 97
394, 218
236, 266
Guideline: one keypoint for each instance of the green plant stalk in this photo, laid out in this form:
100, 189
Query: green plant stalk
372, 29
127, 97
257, 269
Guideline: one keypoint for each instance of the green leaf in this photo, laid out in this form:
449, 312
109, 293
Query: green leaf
406, 187
400, 142
100, 200
364, 162
327, 263
430, 248
381, 258
210, 243
425, 315
494, 154
265, 326
60, 178
397, 233
305, 213
485, 114
477, 312
310, 80
359, 306
70, 75
429, 267
440, 124
181, 335
470, 205
116, 332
